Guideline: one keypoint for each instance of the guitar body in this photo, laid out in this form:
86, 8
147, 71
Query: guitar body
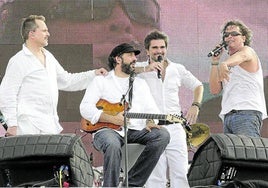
113, 109
108, 108
91, 128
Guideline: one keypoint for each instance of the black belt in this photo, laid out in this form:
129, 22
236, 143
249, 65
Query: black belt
164, 122
233, 111
236, 111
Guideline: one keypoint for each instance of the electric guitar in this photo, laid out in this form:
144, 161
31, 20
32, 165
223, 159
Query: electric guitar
115, 108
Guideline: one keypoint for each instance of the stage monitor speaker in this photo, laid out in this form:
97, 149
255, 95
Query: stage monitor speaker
227, 157
44, 160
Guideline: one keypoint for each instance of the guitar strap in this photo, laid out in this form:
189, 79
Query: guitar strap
130, 94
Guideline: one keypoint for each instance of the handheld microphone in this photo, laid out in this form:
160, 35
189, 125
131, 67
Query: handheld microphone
159, 59
215, 52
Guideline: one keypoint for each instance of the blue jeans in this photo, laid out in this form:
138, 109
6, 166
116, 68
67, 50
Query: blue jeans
110, 143
244, 122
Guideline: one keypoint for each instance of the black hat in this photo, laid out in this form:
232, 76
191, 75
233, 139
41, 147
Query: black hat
123, 48
119, 50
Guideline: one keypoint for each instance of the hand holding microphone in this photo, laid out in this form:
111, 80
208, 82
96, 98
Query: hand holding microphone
159, 59
216, 51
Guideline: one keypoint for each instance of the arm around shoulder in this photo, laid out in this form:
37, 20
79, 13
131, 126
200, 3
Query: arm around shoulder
101, 71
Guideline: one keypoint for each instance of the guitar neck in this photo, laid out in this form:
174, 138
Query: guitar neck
146, 116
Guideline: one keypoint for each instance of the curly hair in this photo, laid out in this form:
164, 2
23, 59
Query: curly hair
245, 31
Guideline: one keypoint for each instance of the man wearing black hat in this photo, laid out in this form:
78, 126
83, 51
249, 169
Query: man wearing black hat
107, 92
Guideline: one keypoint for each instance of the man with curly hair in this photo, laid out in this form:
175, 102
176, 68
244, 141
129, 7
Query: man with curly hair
240, 77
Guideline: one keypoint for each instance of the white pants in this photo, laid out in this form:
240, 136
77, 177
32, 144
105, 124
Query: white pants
174, 159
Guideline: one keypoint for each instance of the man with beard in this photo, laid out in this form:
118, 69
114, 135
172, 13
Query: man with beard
101, 23
109, 90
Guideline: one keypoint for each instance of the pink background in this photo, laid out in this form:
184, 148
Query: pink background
193, 28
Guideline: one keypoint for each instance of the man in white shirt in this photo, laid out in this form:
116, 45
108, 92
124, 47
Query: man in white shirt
110, 90
165, 80
29, 88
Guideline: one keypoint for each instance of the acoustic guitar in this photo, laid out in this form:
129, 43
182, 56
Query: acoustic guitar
114, 108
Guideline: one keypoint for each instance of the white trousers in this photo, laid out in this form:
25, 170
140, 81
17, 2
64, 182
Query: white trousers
174, 159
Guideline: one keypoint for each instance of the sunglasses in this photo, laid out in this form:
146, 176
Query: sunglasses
233, 34
140, 11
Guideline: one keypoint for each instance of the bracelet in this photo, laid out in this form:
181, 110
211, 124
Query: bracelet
215, 63
196, 104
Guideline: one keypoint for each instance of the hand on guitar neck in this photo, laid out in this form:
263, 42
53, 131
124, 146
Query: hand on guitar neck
113, 109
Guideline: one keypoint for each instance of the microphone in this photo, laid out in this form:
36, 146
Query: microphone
129, 91
217, 50
2, 121
132, 76
159, 59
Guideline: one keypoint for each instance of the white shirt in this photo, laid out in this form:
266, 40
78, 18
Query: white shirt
166, 94
110, 89
29, 91
244, 91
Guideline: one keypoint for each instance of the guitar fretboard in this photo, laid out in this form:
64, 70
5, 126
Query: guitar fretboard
146, 116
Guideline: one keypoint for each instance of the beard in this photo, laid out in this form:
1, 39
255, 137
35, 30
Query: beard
127, 68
